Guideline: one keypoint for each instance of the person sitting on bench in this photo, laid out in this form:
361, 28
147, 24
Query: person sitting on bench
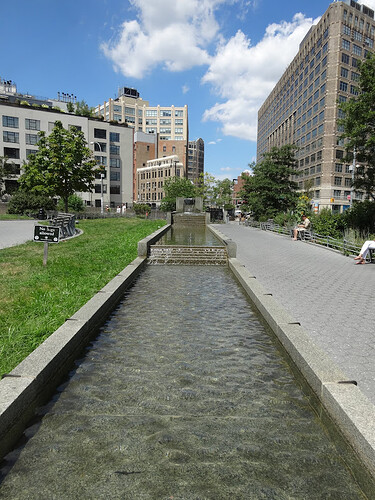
366, 247
301, 228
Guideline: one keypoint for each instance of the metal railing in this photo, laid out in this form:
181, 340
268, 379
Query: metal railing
344, 246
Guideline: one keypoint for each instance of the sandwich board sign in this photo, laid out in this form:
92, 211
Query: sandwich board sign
46, 234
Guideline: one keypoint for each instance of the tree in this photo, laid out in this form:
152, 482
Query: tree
62, 165
359, 127
6, 172
206, 187
83, 109
223, 193
270, 189
176, 187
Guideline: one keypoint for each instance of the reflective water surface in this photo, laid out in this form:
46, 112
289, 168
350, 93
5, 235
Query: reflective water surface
183, 395
189, 235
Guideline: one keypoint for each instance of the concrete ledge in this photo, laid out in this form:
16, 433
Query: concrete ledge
144, 245
230, 244
34, 380
345, 404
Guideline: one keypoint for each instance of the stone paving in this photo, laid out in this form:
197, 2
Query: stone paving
16, 232
332, 298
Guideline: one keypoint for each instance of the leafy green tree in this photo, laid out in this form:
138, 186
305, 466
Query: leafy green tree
361, 217
70, 107
223, 193
62, 165
270, 189
75, 204
6, 172
176, 187
206, 188
83, 109
359, 127
327, 223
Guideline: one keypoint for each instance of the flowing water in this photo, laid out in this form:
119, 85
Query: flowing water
183, 395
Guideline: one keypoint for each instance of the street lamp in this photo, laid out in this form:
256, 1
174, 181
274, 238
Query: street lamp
353, 172
101, 181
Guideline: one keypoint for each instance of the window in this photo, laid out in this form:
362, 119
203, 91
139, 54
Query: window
357, 50
344, 72
100, 133
31, 139
130, 111
165, 112
346, 30
12, 153
114, 137
151, 112
115, 176
98, 188
100, 146
115, 162
345, 44
343, 86
357, 36
164, 121
101, 160
30, 152
178, 122
353, 90
348, 181
338, 167
11, 136
151, 121
114, 189
339, 154
114, 150
337, 181
317, 181
337, 193
178, 131
117, 108
10, 121
345, 58
32, 124
355, 76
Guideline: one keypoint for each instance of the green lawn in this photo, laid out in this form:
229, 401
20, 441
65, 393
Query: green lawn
35, 300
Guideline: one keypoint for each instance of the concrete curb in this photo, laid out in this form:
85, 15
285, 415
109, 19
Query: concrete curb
231, 246
33, 381
345, 404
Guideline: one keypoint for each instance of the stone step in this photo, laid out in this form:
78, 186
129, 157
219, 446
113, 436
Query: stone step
160, 254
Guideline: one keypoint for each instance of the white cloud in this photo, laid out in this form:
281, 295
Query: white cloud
185, 89
243, 75
226, 169
174, 33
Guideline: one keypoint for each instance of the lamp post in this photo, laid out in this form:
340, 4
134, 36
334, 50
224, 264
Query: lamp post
101, 181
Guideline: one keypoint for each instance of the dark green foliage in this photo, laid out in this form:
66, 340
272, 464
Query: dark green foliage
83, 109
328, 224
176, 187
270, 189
362, 217
75, 204
359, 127
6, 172
23, 203
141, 208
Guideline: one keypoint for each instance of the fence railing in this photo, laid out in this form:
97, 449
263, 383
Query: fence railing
344, 246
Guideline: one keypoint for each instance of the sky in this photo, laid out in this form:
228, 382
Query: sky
220, 57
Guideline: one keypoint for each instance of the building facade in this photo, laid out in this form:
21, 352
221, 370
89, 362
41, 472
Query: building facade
195, 166
171, 123
112, 147
151, 179
303, 108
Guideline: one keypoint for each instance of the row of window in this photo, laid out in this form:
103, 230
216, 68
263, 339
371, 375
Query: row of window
359, 22
13, 122
164, 112
357, 36
100, 133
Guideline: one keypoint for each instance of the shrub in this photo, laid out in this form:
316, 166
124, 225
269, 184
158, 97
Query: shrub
361, 217
327, 223
75, 204
23, 203
141, 208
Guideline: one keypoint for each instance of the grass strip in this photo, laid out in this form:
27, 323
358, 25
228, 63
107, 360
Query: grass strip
35, 299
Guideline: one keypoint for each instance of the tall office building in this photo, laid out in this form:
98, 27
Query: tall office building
195, 165
170, 122
303, 108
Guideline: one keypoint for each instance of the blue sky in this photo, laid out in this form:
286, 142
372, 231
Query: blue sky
220, 57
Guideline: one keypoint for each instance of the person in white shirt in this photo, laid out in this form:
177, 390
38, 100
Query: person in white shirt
301, 227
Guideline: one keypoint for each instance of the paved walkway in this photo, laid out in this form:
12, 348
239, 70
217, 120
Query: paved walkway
15, 232
332, 298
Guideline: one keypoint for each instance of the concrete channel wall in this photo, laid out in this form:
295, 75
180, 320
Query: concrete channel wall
340, 398
35, 379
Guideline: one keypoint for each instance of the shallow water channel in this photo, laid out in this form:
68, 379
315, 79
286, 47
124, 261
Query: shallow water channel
183, 395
